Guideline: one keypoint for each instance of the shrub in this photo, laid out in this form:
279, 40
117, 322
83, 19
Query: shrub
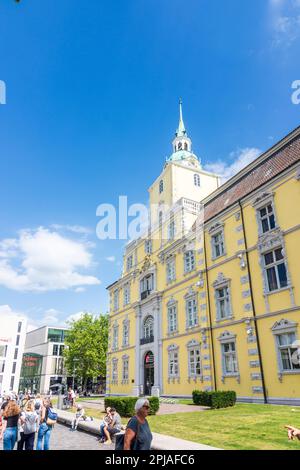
125, 405
214, 399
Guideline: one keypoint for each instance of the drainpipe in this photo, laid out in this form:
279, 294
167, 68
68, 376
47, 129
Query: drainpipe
209, 314
254, 311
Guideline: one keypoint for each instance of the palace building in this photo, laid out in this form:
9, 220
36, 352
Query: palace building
209, 298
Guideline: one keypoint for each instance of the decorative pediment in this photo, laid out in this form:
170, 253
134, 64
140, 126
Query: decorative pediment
193, 344
146, 264
172, 302
284, 324
270, 240
262, 198
173, 347
125, 357
190, 293
216, 227
226, 336
221, 280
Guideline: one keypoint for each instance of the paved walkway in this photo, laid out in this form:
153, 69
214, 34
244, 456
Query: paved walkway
164, 408
160, 441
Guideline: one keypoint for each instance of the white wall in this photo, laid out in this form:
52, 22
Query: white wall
8, 336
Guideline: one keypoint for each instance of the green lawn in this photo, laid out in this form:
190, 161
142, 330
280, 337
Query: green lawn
243, 427
185, 401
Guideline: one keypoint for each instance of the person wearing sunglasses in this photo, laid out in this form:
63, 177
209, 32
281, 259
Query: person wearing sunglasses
138, 435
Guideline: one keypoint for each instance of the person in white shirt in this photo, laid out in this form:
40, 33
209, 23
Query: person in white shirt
79, 416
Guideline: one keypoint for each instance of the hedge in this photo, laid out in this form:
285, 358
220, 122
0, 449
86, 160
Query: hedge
125, 405
214, 399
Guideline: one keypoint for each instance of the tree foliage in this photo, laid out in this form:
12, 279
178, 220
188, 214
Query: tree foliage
86, 347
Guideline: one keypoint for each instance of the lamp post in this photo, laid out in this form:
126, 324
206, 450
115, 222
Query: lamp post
74, 369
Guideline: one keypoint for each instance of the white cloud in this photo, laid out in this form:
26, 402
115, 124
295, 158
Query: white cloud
242, 158
112, 259
74, 317
285, 22
7, 311
45, 261
73, 228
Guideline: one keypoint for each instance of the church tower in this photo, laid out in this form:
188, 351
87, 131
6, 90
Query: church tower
182, 179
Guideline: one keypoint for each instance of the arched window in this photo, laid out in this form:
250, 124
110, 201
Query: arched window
161, 186
186, 146
149, 327
179, 146
197, 180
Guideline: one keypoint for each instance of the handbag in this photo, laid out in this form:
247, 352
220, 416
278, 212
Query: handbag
120, 438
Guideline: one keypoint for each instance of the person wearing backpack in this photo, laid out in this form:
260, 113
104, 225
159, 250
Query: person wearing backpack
48, 419
29, 419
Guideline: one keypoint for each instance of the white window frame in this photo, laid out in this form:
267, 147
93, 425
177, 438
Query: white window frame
148, 247
220, 244
173, 362
189, 261
191, 310
194, 348
171, 230
197, 180
274, 266
227, 302
161, 186
286, 327
116, 299
148, 327
267, 217
172, 317
147, 283
125, 369
171, 269
129, 262
125, 335
114, 371
115, 337
225, 339
126, 294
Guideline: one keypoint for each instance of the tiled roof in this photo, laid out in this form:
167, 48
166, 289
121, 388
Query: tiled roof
267, 168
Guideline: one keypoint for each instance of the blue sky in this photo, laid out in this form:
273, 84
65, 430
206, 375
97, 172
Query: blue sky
92, 107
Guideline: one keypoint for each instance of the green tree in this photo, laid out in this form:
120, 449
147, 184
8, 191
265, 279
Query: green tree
86, 347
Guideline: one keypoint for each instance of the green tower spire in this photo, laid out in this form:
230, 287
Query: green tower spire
181, 128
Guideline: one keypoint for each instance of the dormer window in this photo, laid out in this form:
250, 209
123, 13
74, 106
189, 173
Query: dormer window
161, 186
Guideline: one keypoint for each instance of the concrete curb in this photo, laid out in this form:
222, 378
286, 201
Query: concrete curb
160, 441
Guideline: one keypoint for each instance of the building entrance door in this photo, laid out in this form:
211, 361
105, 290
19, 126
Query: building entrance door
148, 373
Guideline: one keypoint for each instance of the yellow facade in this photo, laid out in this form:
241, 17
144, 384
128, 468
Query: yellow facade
217, 307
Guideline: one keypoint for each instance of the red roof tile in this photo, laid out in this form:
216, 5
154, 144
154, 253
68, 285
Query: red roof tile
273, 165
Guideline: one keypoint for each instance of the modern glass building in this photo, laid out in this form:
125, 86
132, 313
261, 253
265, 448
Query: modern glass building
43, 363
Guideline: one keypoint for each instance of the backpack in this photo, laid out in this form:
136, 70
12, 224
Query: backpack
51, 416
29, 426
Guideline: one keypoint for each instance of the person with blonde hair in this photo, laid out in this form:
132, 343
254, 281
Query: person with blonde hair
46, 424
9, 430
138, 435
29, 420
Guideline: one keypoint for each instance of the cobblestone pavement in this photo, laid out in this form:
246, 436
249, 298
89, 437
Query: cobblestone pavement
64, 439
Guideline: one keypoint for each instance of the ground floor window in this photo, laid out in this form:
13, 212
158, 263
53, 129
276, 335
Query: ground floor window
229, 358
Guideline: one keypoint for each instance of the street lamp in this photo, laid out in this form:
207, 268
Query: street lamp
74, 369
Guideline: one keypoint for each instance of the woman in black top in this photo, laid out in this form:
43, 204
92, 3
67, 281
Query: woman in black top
9, 431
138, 435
